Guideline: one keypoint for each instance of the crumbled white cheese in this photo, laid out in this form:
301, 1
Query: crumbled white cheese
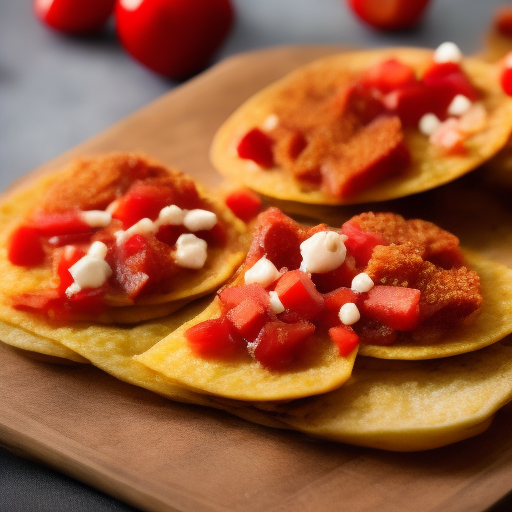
362, 283
428, 124
459, 105
112, 207
143, 227
275, 303
349, 314
322, 252
91, 271
96, 218
199, 220
447, 52
263, 272
131, 5
191, 251
270, 122
171, 215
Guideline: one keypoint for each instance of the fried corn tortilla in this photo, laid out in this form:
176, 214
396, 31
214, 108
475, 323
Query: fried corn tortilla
409, 405
220, 264
488, 325
428, 168
320, 369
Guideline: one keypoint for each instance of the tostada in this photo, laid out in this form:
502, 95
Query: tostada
117, 238
366, 126
306, 300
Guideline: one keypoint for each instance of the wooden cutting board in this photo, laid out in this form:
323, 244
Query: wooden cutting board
163, 456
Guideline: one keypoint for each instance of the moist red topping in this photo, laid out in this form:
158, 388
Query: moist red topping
409, 290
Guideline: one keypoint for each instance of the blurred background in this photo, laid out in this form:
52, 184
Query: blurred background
57, 91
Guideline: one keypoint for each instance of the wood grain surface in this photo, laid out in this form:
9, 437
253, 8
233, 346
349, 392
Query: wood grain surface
164, 456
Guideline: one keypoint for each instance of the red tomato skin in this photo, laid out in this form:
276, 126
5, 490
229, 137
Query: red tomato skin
345, 338
506, 75
70, 255
503, 20
256, 145
361, 243
175, 38
389, 75
74, 16
244, 203
24, 248
389, 14
59, 224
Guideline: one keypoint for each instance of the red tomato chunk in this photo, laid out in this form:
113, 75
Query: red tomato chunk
393, 306
212, 338
388, 76
24, 247
345, 338
244, 203
257, 146
248, 318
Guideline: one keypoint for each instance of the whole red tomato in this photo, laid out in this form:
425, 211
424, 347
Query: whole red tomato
389, 14
175, 38
74, 16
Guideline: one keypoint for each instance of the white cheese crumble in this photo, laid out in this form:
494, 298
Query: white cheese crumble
447, 52
270, 122
263, 272
362, 283
96, 218
459, 105
143, 227
91, 271
131, 5
275, 303
349, 314
191, 251
428, 124
171, 215
199, 220
322, 252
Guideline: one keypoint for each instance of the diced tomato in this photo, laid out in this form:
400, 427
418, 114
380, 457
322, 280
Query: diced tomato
256, 145
394, 306
437, 69
143, 200
70, 255
41, 301
168, 234
87, 302
279, 344
389, 75
56, 224
360, 243
345, 338
248, 318
409, 103
213, 338
279, 238
443, 88
77, 238
506, 74
360, 100
341, 276
24, 247
244, 203
216, 236
143, 265
232, 296
298, 294
333, 302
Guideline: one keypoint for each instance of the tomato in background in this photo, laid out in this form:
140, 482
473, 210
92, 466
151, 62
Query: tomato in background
506, 74
175, 38
74, 16
389, 14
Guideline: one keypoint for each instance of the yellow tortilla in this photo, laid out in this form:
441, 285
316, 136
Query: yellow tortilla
491, 323
409, 406
320, 370
428, 169
190, 284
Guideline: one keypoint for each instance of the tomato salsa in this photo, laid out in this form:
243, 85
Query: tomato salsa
114, 230
372, 281
343, 141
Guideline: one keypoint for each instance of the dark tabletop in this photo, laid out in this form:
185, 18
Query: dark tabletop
57, 91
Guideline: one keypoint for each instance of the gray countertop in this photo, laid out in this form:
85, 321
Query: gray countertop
57, 91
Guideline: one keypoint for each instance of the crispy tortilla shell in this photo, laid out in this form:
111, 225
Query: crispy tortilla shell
220, 265
409, 405
321, 369
428, 169
490, 324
